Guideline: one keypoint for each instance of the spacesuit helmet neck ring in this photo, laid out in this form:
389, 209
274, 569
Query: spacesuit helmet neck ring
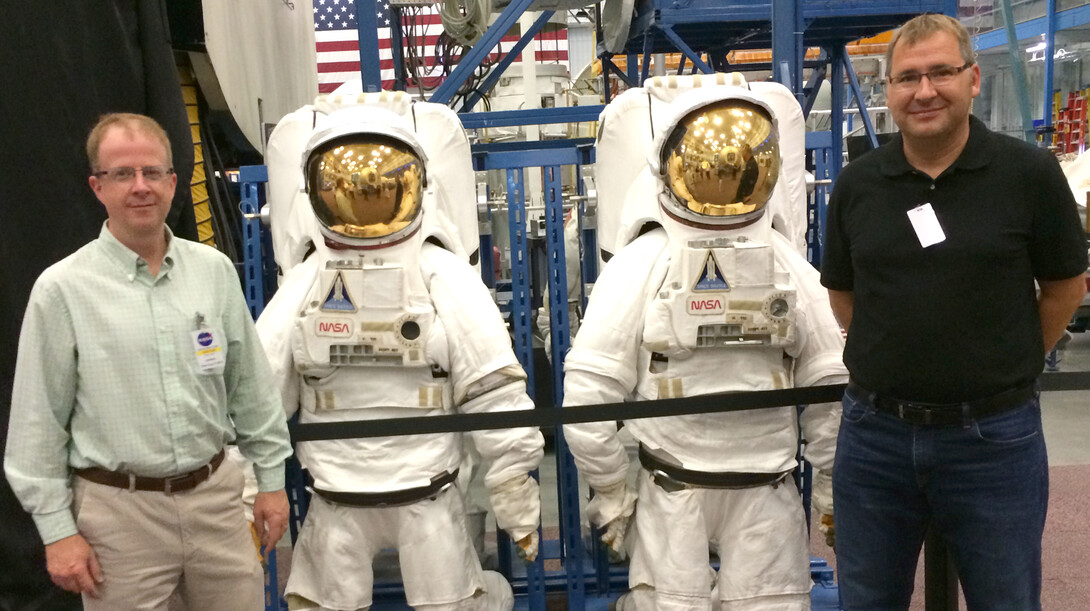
365, 189
720, 164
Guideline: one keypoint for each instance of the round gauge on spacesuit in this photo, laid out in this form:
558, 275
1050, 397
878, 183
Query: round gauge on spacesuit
721, 163
366, 186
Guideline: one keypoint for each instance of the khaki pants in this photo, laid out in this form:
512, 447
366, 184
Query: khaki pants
150, 544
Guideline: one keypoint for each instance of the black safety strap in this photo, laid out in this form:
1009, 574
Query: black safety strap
727, 402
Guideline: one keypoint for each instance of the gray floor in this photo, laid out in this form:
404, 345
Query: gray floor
1066, 415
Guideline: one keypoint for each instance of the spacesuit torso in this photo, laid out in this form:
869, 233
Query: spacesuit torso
367, 345
723, 320
721, 309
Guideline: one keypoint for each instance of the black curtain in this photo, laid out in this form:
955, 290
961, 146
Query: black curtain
62, 65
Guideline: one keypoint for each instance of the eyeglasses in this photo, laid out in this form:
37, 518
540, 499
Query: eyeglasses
909, 81
151, 173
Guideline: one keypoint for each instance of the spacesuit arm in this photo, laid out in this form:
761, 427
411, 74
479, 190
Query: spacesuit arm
819, 354
487, 378
601, 368
274, 329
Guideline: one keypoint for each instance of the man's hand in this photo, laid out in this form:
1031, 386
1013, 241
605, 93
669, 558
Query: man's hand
72, 565
270, 517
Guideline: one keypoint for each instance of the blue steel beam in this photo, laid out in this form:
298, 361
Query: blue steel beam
367, 27
854, 83
397, 47
251, 177
1021, 89
570, 531
497, 71
686, 49
574, 152
608, 66
1062, 20
647, 46
520, 274
836, 123
1050, 44
469, 62
813, 86
787, 45
534, 116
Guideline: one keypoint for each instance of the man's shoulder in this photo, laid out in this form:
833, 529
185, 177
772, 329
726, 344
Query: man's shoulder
868, 167
197, 250
63, 271
1011, 151
198, 254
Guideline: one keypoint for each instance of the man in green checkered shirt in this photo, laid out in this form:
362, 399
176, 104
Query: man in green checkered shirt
137, 363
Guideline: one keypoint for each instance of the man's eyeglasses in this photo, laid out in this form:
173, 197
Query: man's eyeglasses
151, 173
940, 76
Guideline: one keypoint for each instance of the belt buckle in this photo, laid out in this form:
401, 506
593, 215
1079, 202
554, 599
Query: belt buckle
913, 413
667, 483
168, 483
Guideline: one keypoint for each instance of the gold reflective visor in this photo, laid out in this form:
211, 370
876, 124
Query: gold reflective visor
723, 160
365, 189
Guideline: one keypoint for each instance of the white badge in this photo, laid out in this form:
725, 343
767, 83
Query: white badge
926, 224
208, 350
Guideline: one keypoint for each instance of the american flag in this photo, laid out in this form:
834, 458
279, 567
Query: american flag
337, 40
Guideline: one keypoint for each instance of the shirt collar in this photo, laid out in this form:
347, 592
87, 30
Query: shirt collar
127, 259
976, 154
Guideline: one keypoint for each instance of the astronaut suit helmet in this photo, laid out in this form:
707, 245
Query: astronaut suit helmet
365, 179
719, 161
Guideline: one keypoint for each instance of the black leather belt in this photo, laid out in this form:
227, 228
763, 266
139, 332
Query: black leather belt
168, 485
672, 478
394, 498
947, 414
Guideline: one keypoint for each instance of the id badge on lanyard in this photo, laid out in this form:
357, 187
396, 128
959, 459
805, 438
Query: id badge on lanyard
208, 347
928, 230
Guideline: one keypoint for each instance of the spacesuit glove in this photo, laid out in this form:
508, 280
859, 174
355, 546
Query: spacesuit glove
527, 547
821, 499
613, 539
611, 509
517, 505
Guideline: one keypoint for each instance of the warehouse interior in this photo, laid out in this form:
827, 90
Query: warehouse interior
524, 90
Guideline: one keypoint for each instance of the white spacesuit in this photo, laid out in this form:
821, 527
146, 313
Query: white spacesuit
383, 322
705, 297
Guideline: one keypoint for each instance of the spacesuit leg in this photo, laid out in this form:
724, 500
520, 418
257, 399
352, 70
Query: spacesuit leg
763, 548
497, 596
439, 566
336, 541
298, 603
670, 569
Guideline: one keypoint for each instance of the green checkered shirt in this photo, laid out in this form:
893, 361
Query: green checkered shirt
108, 376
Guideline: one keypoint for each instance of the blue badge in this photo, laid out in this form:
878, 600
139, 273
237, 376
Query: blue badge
204, 338
711, 277
338, 298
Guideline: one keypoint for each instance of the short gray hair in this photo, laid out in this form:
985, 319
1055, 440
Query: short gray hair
923, 26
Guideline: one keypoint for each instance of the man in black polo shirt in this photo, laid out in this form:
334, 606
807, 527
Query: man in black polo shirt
933, 245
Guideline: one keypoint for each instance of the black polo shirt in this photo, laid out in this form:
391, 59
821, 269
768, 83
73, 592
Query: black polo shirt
958, 320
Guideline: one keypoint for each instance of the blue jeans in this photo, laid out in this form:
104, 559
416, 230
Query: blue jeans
982, 486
